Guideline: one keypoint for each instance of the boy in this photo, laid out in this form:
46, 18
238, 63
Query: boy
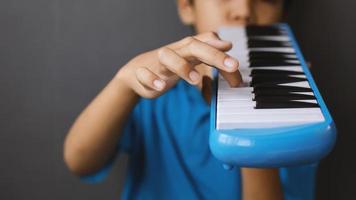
156, 110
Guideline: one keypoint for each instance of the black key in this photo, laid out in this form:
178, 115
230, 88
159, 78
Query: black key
273, 72
270, 80
275, 59
269, 55
262, 27
267, 43
284, 104
263, 51
279, 88
275, 93
264, 31
272, 63
285, 97
252, 34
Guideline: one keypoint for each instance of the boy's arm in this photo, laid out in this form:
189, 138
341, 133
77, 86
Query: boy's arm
93, 138
261, 184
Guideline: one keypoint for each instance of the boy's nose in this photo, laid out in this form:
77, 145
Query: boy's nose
239, 12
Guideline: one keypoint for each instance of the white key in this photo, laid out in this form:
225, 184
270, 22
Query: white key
252, 111
247, 78
284, 121
236, 97
235, 90
289, 117
294, 69
248, 63
247, 103
304, 84
274, 38
275, 49
262, 119
222, 97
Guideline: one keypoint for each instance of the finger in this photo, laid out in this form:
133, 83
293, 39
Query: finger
220, 44
208, 55
214, 40
150, 80
207, 36
234, 79
178, 65
210, 38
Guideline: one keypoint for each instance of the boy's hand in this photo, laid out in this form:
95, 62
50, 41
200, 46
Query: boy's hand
152, 73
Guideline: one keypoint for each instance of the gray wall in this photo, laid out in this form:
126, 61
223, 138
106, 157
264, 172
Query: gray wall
55, 56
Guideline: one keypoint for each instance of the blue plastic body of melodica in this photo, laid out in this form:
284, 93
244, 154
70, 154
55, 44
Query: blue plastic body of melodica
274, 147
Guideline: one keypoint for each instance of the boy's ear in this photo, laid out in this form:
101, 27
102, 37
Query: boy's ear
186, 11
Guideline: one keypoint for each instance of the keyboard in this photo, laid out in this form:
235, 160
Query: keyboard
277, 117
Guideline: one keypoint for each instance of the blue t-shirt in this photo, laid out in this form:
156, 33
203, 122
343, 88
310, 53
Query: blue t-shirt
167, 140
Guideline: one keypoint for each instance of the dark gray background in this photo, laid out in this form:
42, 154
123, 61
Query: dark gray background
56, 55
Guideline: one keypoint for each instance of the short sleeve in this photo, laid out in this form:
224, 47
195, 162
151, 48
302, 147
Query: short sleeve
299, 182
125, 144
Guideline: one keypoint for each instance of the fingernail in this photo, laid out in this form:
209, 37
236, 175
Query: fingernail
194, 76
226, 42
158, 84
219, 42
230, 63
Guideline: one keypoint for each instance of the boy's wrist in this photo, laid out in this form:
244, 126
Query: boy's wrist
122, 84
257, 171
